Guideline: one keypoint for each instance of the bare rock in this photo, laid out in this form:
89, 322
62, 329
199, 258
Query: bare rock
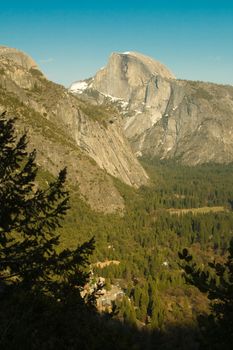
68, 132
164, 117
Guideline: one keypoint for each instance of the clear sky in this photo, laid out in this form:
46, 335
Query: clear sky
71, 40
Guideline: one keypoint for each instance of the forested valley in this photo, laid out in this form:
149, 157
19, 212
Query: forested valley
47, 258
184, 207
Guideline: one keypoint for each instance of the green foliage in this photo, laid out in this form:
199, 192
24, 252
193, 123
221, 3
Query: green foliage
157, 316
181, 186
97, 113
36, 73
29, 218
217, 282
126, 311
146, 239
41, 307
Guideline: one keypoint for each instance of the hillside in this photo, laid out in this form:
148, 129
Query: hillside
69, 132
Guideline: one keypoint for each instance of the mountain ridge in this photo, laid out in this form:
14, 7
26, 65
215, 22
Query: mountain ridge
164, 117
69, 132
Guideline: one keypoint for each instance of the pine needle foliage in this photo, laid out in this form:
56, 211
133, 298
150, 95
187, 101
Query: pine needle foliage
217, 281
29, 217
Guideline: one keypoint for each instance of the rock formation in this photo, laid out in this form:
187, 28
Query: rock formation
69, 132
18, 57
164, 117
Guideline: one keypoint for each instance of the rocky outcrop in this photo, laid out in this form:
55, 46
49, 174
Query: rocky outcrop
68, 131
127, 76
164, 117
18, 57
107, 145
195, 128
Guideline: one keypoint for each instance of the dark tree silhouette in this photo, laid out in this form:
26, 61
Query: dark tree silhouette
29, 217
41, 306
217, 282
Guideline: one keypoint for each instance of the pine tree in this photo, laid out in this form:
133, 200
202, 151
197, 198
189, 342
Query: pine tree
157, 313
128, 312
217, 282
29, 218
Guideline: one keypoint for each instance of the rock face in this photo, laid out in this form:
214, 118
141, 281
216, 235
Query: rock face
108, 146
127, 76
196, 127
164, 117
18, 57
69, 132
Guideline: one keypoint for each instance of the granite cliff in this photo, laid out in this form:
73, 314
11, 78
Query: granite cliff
69, 132
162, 116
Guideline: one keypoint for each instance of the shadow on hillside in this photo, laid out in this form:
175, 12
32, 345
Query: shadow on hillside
28, 322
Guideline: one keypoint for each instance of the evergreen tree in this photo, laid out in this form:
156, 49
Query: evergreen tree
217, 282
129, 315
29, 218
157, 313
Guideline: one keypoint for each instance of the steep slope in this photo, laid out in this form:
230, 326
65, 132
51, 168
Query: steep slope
69, 132
196, 127
164, 117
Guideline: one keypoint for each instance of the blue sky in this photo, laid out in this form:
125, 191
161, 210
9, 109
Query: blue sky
71, 40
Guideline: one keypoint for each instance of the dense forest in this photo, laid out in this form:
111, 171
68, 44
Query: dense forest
183, 207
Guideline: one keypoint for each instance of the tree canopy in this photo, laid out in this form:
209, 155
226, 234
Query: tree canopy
29, 217
217, 281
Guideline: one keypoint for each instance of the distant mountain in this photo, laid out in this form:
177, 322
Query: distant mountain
69, 132
162, 116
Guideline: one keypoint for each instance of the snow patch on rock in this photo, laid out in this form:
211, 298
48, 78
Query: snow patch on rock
79, 87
